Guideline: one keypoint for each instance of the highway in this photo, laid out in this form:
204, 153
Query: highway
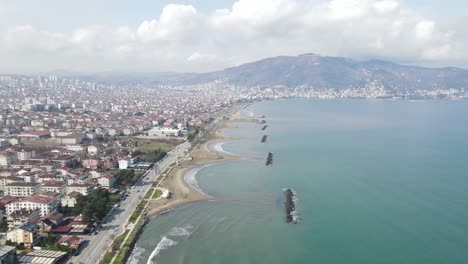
116, 220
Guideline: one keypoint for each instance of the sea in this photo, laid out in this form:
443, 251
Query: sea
376, 181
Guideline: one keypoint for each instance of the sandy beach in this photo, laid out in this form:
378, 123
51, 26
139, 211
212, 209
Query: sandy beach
204, 154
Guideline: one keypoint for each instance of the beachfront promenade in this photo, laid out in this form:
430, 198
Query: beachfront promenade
117, 219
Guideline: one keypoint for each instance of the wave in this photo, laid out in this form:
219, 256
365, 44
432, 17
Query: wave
247, 113
166, 211
218, 147
181, 231
162, 245
184, 231
191, 180
136, 253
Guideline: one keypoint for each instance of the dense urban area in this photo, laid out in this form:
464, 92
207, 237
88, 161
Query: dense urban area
72, 152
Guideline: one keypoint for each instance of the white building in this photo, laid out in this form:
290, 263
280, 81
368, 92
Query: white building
75, 147
22, 189
164, 132
7, 158
93, 150
23, 216
126, 162
59, 187
46, 204
69, 200
83, 188
26, 154
106, 181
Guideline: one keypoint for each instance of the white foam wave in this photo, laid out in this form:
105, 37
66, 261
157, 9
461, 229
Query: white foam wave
136, 253
181, 231
162, 245
247, 113
166, 211
190, 179
218, 147
218, 220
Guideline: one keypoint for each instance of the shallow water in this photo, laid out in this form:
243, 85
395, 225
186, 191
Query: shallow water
376, 182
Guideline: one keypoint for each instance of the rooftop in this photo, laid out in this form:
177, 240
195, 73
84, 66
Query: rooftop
53, 183
23, 184
36, 199
4, 250
42, 256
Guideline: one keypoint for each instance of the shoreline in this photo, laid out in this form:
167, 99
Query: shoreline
181, 180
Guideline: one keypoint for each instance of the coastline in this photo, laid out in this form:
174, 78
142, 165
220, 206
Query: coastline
181, 180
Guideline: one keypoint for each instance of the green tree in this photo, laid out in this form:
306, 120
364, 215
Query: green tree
93, 206
4, 225
50, 240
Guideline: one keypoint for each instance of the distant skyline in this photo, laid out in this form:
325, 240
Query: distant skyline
200, 36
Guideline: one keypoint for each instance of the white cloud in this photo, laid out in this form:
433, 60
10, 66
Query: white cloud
181, 38
424, 29
386, 6
195, 57
348, 9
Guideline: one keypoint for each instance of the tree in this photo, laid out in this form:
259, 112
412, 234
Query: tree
50, 240
87, 215
4, 225
93, 206
65, 210
193, 134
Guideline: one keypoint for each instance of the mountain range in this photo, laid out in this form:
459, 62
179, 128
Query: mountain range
308, 70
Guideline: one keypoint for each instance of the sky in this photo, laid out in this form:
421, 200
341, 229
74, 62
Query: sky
208, 35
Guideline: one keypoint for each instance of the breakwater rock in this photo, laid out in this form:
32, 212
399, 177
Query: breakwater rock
269, 160
290, 206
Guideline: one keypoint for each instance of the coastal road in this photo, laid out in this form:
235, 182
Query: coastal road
116, 220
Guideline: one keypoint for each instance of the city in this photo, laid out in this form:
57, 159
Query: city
233, 131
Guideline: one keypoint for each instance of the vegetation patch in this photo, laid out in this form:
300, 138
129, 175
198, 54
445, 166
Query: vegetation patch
138, 211
152, 156
126, 178
153, 144
93, 207
149, 194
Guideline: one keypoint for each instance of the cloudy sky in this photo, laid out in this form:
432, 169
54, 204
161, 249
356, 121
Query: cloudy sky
205, 35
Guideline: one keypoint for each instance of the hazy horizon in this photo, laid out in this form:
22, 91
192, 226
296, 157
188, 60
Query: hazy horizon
65, 71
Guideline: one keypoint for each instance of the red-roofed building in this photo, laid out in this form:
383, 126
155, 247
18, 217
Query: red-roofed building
46, 204
22, 189
61, 229
73, 242
59, 187
107, 181
34, 135
91, 163
7, 180
83, 188
6, 200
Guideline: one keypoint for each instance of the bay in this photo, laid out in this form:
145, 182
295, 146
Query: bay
376, 182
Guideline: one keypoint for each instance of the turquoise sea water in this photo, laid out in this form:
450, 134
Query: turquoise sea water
376, 182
